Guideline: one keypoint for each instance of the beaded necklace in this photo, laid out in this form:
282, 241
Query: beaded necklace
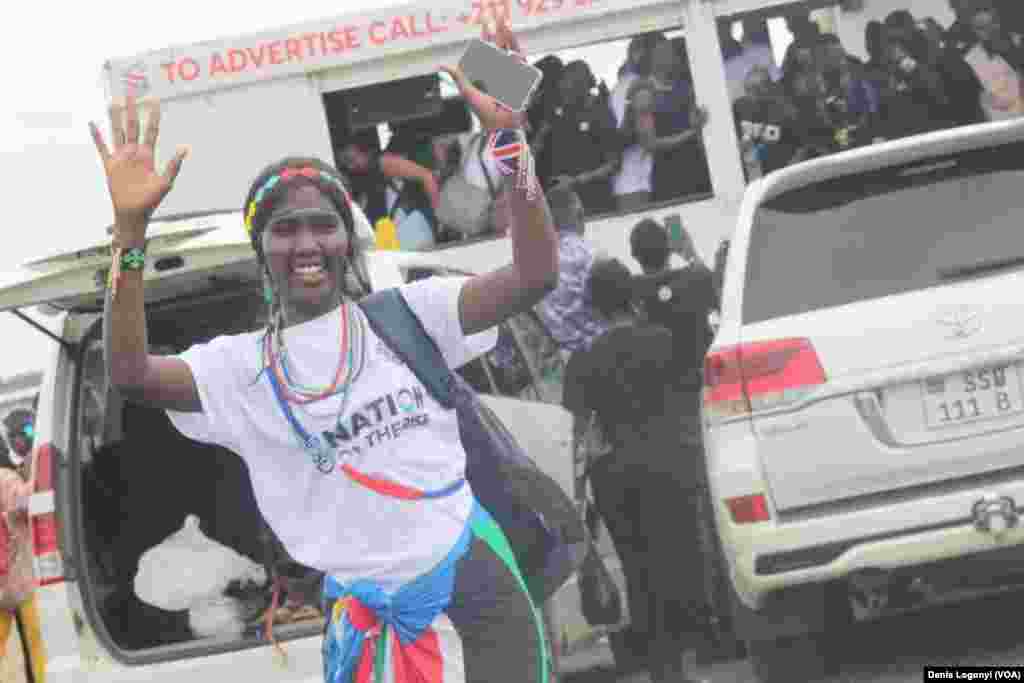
350, 367
350, 363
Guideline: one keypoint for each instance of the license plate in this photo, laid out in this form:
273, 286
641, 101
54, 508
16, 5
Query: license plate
971, 396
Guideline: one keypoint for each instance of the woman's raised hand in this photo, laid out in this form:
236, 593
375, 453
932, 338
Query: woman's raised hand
492, 114
136, 188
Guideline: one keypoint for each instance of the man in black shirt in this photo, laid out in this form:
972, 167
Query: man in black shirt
678, 299
582, 150
646, 488
916, 100
767, 124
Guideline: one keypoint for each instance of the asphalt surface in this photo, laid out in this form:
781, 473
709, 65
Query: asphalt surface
983, 632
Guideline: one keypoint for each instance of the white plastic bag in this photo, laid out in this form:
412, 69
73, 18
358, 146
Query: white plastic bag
216, 617
188, 568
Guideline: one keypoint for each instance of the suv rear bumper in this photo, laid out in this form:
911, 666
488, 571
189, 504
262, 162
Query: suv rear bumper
773, 556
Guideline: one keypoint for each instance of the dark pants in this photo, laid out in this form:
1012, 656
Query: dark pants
651, 515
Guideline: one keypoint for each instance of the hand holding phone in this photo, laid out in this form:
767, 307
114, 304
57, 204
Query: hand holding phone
500, 74
493, 114
678, 240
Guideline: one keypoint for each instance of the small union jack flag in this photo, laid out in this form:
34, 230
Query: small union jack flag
507, 148
512, 156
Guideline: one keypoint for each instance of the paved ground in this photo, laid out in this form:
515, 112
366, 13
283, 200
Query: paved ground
988, 632
985, 632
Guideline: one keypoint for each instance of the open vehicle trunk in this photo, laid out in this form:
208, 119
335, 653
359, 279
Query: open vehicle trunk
139, 479
131, 479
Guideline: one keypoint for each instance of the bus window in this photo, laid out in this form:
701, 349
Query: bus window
808, 84
419, 120
612, 120
617, 121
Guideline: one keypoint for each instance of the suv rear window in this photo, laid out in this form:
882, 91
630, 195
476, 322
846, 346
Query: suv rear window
871, 235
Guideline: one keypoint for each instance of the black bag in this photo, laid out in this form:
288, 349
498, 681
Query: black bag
599, 596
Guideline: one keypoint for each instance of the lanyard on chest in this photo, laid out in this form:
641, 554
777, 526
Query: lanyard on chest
325, 460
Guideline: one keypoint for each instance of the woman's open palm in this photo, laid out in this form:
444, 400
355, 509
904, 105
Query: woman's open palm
136, 188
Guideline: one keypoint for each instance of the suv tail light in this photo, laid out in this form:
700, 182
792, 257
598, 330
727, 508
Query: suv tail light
42, 507
748, 509
748, 378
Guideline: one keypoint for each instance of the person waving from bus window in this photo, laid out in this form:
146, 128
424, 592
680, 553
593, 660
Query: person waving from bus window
680, 167
633, 181
582, 145
355, 466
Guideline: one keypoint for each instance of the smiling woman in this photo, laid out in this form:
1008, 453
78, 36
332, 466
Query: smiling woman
343, 506
304, 237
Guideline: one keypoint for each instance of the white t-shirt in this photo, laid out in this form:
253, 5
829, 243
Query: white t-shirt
618, 98
634, 174
390, 428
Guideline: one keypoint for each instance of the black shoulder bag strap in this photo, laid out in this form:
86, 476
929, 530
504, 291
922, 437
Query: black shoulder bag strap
397, 325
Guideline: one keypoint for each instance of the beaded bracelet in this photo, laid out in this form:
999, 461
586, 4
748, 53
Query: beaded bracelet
124, 259
133, 259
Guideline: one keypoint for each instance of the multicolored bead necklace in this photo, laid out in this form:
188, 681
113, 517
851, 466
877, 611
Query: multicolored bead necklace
350, 367
350, 363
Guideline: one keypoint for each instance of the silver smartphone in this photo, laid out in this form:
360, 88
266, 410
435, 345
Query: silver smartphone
500, 74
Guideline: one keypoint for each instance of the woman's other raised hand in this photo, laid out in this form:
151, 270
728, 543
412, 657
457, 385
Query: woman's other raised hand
136, 188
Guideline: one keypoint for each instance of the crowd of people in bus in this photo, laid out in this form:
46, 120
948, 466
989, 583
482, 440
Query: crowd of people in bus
617, 148
919, 77
639, 141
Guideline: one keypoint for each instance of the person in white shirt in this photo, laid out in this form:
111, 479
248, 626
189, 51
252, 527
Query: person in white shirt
355, 466
631, 184
637, 65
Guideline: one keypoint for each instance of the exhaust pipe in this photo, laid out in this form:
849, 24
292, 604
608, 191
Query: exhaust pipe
869, 590
874, 591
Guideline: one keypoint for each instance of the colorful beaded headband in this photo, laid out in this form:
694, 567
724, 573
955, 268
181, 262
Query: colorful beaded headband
287, 174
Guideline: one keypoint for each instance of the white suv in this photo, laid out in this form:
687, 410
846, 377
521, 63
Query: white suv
863, 406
